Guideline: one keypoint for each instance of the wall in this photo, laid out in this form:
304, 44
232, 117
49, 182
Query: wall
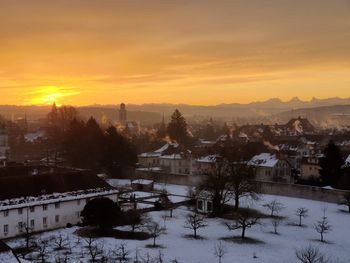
283, 189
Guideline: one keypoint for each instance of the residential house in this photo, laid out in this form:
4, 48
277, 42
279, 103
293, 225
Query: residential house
269, 167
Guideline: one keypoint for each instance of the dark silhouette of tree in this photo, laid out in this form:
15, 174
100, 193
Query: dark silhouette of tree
322, 227
228, 180
177, 128
311, 254
331, 165
101, 212
195, 221
274, 207
243, 220
301, 212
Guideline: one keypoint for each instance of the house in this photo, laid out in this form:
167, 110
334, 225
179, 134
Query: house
269, 167
151, 159
4, 147
205, 164
204, 202
142, 185
347, 161
310, 168
40, 202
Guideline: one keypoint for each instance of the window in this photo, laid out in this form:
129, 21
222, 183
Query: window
45, 221
6, 229
32, 223
44, 207
32, 209
77, 214
57, 218
57, 205
200, 204
6, 213
20, 211
78, 202
20, 226
209, 206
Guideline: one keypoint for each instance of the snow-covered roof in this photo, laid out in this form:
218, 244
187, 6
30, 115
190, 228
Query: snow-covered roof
174, 156
53, 198
142, 181
264, 160
33, 136
166, 146
207, 159
347, 161
159, 151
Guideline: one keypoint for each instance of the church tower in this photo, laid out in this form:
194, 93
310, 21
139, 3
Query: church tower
122, 114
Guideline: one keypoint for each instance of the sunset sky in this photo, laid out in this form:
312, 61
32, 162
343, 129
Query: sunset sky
174, 51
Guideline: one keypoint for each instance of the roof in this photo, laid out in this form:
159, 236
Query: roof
264, 160
142, 181
159, 151
37, 185
347, 161
207, 159
174, 156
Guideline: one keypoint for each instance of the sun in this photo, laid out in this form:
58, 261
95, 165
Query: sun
47, 95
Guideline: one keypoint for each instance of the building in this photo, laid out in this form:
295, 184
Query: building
142, 185
4, 147
122, 114
269, 167
205, 164
204, 202
151, 159
347, 161
310, 168
42, 202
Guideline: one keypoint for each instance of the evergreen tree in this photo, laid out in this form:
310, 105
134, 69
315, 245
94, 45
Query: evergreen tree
177, 128
331, 165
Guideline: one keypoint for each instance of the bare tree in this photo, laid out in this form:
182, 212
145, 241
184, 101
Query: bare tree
42, 246
301, 212
274, 207
310, 254
61, 242
227, 181
219, 251
136, 220
194, 221
95, 249
62, 258
346, 201
276, 221
155, 230
28, 235
322, 227
121, 253
244, 219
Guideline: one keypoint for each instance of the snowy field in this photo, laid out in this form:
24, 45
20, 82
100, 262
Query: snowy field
271, 249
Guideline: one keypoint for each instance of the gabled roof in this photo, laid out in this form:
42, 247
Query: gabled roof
347, 161
37, 185
264, 160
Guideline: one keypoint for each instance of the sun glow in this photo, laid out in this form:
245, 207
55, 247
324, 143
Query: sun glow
46, 95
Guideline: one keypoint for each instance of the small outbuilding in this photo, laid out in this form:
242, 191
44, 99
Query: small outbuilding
204, 203
142, 185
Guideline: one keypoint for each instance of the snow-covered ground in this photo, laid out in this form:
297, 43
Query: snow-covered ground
272, 249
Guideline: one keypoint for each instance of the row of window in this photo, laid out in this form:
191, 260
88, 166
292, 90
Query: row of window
32, 208
22, 225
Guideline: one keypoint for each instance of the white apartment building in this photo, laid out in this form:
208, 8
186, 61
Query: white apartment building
50, 210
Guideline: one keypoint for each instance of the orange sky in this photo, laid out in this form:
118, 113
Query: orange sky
183, 51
